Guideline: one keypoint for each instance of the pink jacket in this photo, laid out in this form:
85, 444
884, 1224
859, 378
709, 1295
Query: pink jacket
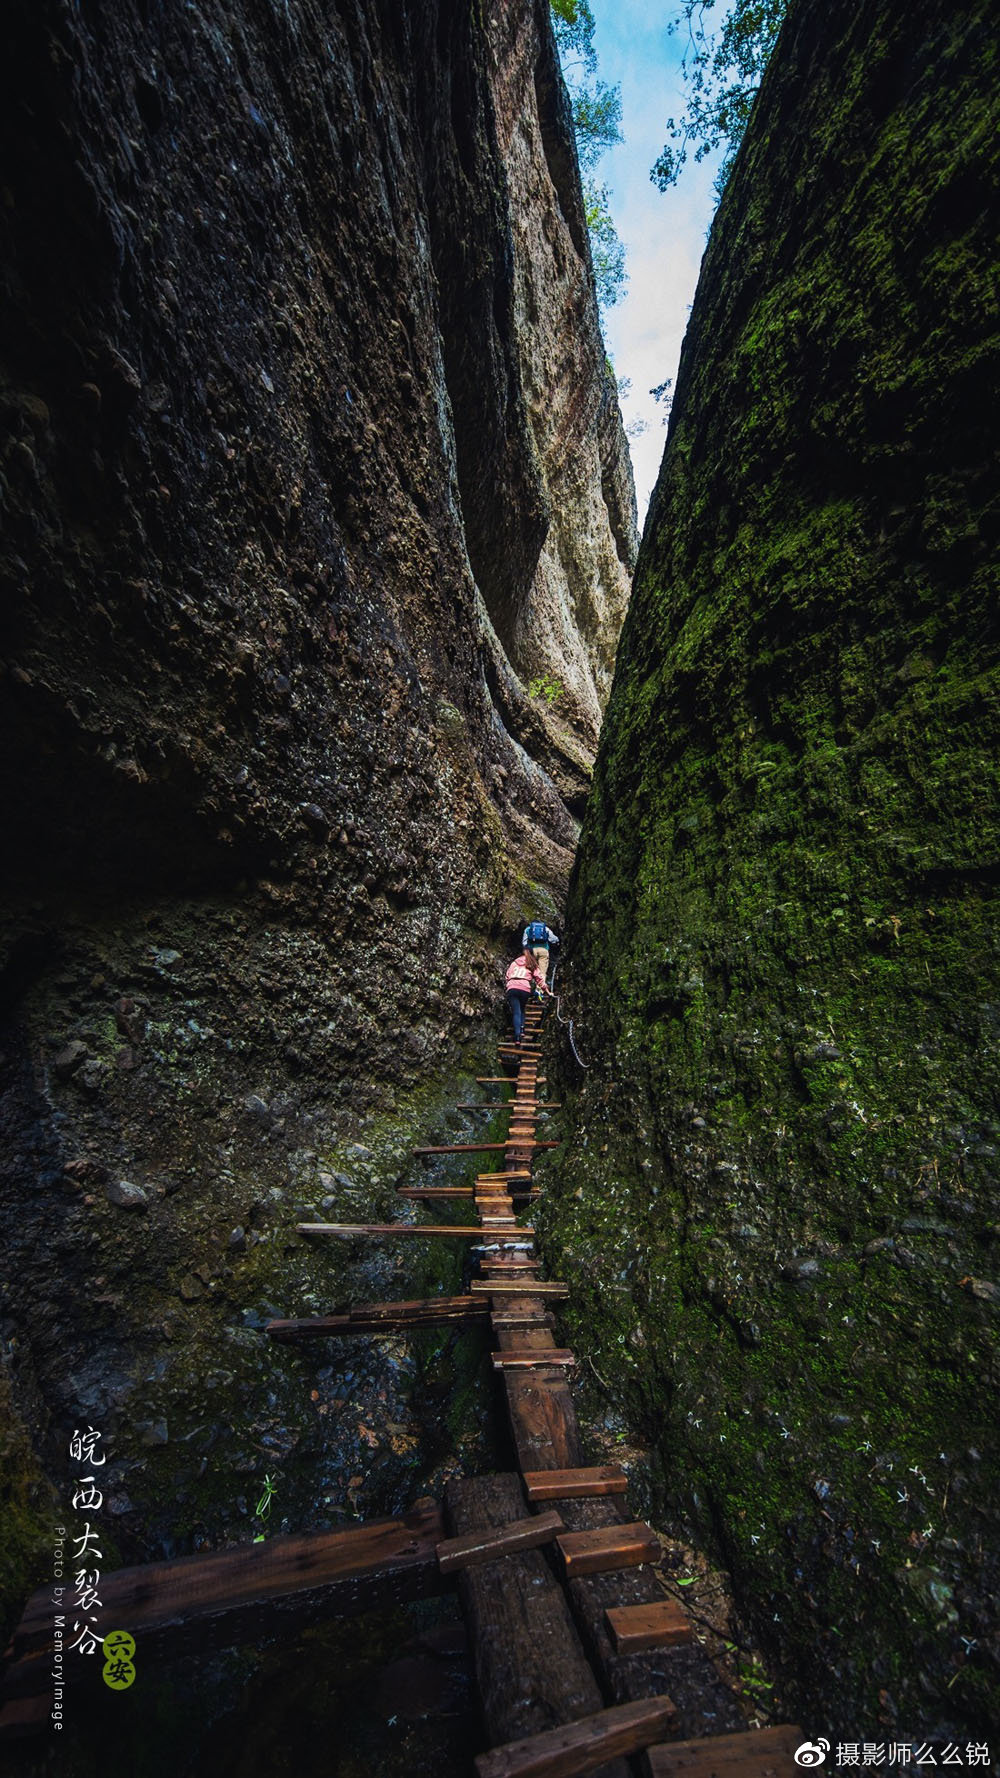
520, 977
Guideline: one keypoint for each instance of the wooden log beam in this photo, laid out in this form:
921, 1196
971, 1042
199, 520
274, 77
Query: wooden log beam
226, 1597
530, 1667
582, 1746
491, 1543
638, 1674
543, 1421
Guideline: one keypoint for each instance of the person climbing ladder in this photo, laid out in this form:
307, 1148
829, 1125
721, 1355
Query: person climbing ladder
522, 975
536, 938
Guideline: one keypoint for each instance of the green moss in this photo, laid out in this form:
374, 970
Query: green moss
790, 855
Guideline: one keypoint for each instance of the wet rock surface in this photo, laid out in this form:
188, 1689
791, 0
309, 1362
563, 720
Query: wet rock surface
782, 1234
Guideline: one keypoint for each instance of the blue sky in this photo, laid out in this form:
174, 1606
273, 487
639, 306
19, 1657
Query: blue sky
664, 233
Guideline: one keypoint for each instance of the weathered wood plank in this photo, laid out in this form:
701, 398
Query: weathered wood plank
219, 1600
491, 1543
508, 1104
386, 1318
482, 1147
500, 1287
574, 1484
349, 1231
389, 1310
530, 1667
581, 1746
635, 1628
543, 1421
532, 1360
503, 1080
504, 1322
759, 1753
427, 1193
609, 1547
536, 1338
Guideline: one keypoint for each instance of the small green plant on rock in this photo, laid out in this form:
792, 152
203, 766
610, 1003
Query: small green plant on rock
547, 687
263, 1507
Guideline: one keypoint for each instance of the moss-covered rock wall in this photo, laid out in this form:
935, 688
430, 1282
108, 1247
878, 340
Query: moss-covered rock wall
785, 1237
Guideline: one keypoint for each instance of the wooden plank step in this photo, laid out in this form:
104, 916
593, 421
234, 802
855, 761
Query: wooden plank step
573, 1484
431, 1306
509, 1287
508, 1104
612, 1546
425, 1193
482, 1147
542, 1318
581, 1746
449, 1193
532, 1360
760, 1753
543, 1421
454, 1310
489, 1544
222, 1598
503, 1176
462, 1148
349, 1231
502, 1080
635, 1628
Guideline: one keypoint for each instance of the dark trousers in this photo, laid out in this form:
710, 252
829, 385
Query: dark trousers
517, 1003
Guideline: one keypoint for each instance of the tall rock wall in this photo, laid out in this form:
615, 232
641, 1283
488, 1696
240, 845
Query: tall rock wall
785, 908
289, 499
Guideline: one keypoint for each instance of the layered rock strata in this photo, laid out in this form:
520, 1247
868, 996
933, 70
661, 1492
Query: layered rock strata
289, 493
786, 900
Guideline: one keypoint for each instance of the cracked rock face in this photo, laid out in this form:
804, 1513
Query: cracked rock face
310, 466
791, 1123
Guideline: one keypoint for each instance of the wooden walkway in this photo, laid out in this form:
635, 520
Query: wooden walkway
576, 1644
575, 1641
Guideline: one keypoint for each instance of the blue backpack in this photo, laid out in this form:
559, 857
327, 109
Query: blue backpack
538, 933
